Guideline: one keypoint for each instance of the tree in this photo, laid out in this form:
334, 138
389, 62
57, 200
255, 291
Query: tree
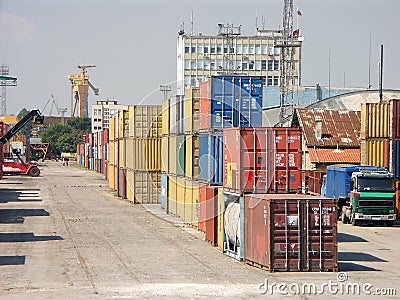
63, 138
28, 127
83, 124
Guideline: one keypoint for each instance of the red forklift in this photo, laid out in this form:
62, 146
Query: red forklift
18, 166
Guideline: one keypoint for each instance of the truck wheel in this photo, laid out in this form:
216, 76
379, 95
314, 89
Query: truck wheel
353, 221
34, 172
389, 223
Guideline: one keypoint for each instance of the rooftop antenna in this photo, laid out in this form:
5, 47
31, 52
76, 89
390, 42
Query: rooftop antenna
182, 27
191, 24
256, 21
263, 22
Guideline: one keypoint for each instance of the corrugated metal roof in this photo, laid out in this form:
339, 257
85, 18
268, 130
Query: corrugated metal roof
323, 155
339, 128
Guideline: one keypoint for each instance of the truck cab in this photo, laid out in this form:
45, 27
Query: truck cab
372, 198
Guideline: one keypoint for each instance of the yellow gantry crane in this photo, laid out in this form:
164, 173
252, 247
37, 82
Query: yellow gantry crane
80, 90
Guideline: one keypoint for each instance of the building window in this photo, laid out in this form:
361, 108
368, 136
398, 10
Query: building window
277, 51
270, 65
225, 49
276, 65
187, 48
238, 49
251, 49
251, 65
276, 80
205, 49
238, 65
193, 48
212, 49
213, 65
200, 64
206, 64
245, 49
187, 80
264, 49
193, 67
199, 48
258, 49
270, 49
263, 65
187, 64
269, 80
219, 64
244, 65
219, 49
258, 65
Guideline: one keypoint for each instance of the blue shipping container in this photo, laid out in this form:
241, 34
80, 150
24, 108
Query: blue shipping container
236, 101
164, 188
211, 158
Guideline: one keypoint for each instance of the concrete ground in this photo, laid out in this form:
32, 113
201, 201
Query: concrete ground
64, 235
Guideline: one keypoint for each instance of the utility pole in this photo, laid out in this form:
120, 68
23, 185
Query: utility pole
165, 88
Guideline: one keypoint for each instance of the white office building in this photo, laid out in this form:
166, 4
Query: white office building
102, 111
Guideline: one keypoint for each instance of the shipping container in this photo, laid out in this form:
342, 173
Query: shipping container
144, 186
234, 225
262, 160
220, 215
396, 119
211, 158
147, 154
208, 208
164, 190
165, 154
312, 181
377, 120
122, 152
171, 194
123, 123
378, 152
165, 117
180, 197
116, 180
122, 184
398, 198
284, 232
192, 108
192, 156
105, 135
230, 101
172, 158
395, 165
145, 121
111, 176
180, 110
191, 202
173, 115
180, 155
111, 131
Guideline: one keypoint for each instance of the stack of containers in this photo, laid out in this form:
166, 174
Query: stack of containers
104, 151
143, 154
111, 154
122, 133
225, 102
380, 138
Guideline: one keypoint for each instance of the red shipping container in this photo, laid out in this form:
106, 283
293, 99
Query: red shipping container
396, 119
91, 139
205, 106
312, 181
262, 160
105, 136
286, 232
207, 212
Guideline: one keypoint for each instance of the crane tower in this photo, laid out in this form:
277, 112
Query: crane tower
80, 90
288, 44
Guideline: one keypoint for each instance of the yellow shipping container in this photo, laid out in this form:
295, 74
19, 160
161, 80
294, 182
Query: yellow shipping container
129, 153
221, 211
192, 156
191, 202
111, 153
172, 154
111, 177
111, 132
123, 123
147, 154
171, 194
145, 121
375, 120
191, 110
165, 117
143, 186
122, 153
377, 152
165, 154
180, 198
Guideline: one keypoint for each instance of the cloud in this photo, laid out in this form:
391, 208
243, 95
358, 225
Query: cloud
16, 28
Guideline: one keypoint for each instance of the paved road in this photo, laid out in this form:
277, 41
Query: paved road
64, 235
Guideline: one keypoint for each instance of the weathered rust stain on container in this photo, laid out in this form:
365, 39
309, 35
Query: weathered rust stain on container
290, 232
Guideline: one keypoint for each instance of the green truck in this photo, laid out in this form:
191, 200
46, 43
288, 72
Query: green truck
364, 193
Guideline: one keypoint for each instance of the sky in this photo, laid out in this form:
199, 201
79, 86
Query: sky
133, 43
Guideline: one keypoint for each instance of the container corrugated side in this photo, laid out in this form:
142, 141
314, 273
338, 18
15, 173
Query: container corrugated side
130, 153
164, 190
123, 124
191, 107
145, 121
396, 119
211, 158
398, 198
171, 204
165, 117
145, 186
291, 232
173, 115
377, 152
147, 154
192, 156
111, 153
122, 184
180, 198
165, 154
122, 153
208, 210
395, 166
378, 120
172, 158
220, 223
111, 126
180, 155
191, 202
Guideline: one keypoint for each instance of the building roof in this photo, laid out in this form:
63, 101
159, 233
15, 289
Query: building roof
339, 128
9, 119
323, 155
